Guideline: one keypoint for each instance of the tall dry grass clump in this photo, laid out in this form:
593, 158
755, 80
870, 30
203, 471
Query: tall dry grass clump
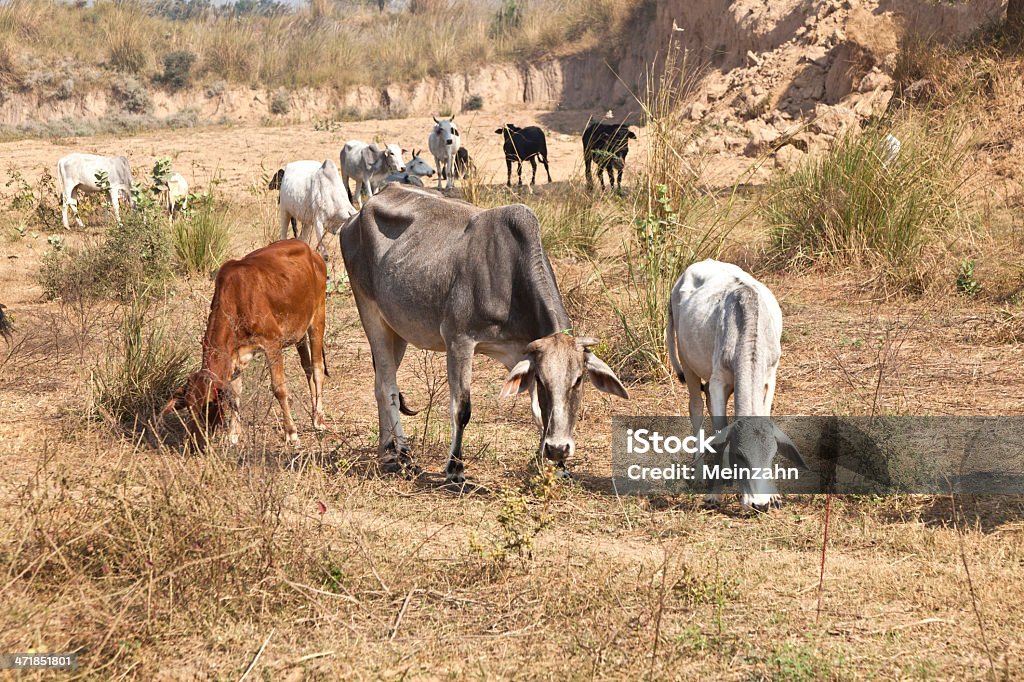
201, 238
859, 204
144, 364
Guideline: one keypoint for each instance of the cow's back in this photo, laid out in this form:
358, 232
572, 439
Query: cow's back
425, 259
275, 289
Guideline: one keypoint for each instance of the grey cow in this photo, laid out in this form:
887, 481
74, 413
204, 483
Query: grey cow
445, 275
83, 172
368, 165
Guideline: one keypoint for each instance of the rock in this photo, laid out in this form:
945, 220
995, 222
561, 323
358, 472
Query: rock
832, 120
761, 137
875, 80
697, 111
714, 145
788, 157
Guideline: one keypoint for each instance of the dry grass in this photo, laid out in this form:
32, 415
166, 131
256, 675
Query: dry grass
322, 45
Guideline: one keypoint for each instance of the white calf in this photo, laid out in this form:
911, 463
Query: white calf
177, 193
368, 164
725, 337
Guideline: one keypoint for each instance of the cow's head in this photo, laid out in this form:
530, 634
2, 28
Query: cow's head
395, 161
418, 166
754, 442
553, 371
506, 130
206, 399
445, 130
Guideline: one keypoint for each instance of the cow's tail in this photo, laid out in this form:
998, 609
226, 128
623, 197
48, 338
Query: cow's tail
670, 342
404, 408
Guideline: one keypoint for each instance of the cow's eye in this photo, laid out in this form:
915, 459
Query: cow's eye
579, 380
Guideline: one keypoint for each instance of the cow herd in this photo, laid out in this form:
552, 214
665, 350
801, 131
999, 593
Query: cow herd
447, 276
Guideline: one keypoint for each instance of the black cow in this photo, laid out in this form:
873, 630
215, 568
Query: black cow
606, 145
524, 144
463, 167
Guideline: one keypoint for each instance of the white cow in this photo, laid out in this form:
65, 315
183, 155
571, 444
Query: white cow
724, 337
79, 171
313, 194
414, 170
368, 165
177, 193
444, 143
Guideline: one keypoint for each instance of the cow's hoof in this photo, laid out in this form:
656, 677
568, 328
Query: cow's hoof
405, 468
562, 472
760, 503
292, 440
455, 479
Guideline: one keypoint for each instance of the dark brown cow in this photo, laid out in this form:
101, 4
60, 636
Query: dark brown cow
273, 298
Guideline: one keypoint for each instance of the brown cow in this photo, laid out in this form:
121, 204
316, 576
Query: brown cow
272, 298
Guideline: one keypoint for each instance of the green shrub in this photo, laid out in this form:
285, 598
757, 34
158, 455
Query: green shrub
133, 256
178, 69
474, 103
141, 371
201, 238
851, 205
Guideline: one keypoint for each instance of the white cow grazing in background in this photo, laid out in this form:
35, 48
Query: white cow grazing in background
79, 172
368, 165
444, 143
313, 194
725, 336
177, 193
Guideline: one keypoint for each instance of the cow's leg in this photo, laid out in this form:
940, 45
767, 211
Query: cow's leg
115, 201
460, 372
600, 175
533, 165
318, 230
318, 363
718, 398
442, 175
283, 221
234, 407
387, 350
547, 169
519, 170
275, 358
590, 178
367, 189
65, 201
508, 167
314, 377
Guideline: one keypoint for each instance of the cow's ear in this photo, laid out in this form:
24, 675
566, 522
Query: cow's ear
519, 379
787, 449
603, 378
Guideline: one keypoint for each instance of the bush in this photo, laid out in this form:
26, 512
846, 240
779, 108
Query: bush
133, 257
127, 53
178, 69
280, 103
201, 238
474, 103
851, 206
133, 96
146, 368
